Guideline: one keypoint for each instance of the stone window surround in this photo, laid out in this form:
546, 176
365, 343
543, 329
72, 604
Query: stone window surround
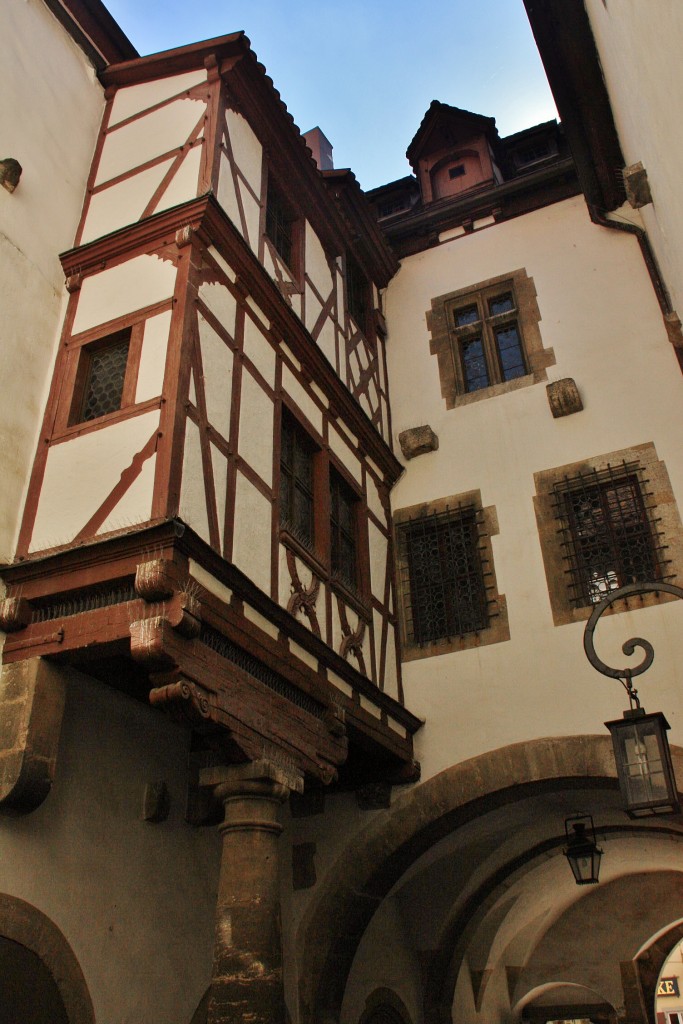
498, 629
439, 323
669, 524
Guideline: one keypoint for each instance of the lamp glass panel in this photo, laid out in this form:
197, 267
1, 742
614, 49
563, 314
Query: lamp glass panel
643, 767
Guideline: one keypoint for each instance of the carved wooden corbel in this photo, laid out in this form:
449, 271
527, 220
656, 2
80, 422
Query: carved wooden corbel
303, 598
186, 702
32, 696
15, 614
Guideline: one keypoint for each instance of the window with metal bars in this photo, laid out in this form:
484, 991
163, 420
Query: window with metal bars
280, 221
608, 530
101, 377
487, 339
343, 530
296, 480
443, 570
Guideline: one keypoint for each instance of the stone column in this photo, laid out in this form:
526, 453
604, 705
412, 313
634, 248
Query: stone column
247, 985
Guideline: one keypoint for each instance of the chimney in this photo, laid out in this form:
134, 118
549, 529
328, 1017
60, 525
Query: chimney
321, 149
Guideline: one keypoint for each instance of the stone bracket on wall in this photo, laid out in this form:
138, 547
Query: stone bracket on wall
32, 695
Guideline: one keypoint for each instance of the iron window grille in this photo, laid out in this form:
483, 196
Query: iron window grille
445, 579
343, 530
487, 338
280, 224
297, 452
101, 377
609, 532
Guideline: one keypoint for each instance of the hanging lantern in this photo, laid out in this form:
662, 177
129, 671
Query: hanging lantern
582, 851
643, 759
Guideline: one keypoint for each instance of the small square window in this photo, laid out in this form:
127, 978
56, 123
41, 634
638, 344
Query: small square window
456, 172
609, 537
101, 377
446, 578
487, 339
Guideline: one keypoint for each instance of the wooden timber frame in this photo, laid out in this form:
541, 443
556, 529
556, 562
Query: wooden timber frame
153, 609
158, 614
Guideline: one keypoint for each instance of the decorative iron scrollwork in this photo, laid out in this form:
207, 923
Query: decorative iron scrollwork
624, 675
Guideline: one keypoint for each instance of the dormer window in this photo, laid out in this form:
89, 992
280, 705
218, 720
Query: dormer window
457, 171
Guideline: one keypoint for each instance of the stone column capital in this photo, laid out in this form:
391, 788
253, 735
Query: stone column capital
253, 778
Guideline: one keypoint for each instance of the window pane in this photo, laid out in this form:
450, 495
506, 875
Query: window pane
466, 315
343, 504
474, 368
501, 304
447, 591
279, 224
296, 480
105, 377
610, 539
510, 350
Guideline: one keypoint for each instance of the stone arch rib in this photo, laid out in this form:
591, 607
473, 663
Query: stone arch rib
23, 923
331, 931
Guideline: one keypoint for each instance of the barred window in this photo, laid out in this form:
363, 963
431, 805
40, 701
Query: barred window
296, 480
101, 377
443, 569
608, 530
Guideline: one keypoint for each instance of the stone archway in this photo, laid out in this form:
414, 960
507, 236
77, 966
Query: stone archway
31, 942
334, 925
648, 966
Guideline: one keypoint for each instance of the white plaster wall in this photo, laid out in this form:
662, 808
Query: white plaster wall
640, 46
82, 472
600, 316
37, 221
122, 289
140, 922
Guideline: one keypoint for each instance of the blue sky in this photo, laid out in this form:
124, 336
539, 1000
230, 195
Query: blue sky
365, 71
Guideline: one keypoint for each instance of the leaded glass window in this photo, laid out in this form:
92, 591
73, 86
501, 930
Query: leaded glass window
104, 374
488, 340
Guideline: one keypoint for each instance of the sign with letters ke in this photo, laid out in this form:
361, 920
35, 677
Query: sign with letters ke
668, 987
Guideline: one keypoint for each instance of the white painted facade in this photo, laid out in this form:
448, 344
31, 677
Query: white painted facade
55, 162
638, 46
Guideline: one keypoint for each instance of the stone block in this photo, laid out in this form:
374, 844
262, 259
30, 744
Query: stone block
563, 397
418, 441
303, 866
637, 186
32, 696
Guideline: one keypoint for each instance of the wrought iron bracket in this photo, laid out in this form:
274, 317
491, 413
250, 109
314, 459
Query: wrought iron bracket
624, 675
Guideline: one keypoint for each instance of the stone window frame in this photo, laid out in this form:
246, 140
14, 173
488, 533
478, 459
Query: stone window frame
498, 629
443, 342
653, 478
